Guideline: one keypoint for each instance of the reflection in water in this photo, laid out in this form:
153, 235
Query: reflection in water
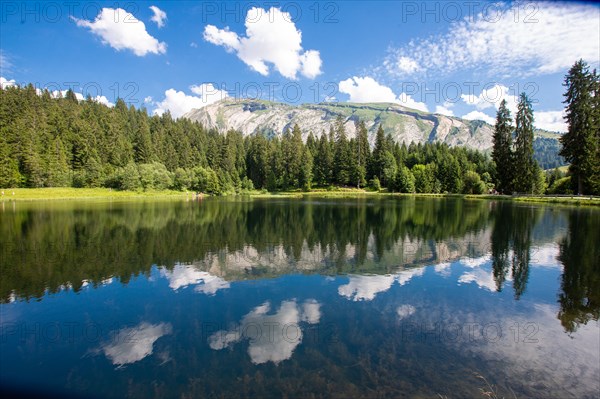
365, 288
512, 233
580, 255
405, 311
45, 246
273, 337
130, 345
184, 275
387, 315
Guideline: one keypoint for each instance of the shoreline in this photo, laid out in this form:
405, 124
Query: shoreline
69, 193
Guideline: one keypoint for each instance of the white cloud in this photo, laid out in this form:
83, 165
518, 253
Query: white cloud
550, 120
273, 338
404, 311
183, 275
478, 115
148, 100
546, 41
271, 37
440, 109
122, 31
406, 65
178, 103
78, 96
159, 16
4, 83
367, 89
130, 345
492, 97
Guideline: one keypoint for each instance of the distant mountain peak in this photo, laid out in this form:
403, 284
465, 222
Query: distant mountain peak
404, 124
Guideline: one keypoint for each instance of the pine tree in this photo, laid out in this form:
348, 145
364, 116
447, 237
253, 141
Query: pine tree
524, 163
580, 145
323, 162
377, 159
341, 161
502, 153
360, 155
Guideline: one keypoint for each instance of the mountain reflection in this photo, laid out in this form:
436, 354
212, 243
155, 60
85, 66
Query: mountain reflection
51, 247
273, 337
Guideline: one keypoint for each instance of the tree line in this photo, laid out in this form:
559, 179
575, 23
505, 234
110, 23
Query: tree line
54, 142
57, 142
513, 154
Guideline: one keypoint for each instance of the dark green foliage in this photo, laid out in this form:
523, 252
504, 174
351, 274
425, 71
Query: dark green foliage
47, 142
502, 153
473, 184
405, 181
581, 143
524, 164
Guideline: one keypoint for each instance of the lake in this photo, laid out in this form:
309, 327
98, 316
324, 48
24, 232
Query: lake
353, 297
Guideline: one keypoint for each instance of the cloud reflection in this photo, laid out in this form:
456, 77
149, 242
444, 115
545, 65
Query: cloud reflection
130, 345
184, 275
273, 337
365, 288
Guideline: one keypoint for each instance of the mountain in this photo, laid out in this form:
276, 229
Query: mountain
404, 124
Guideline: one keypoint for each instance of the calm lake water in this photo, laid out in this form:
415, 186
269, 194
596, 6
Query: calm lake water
237, 297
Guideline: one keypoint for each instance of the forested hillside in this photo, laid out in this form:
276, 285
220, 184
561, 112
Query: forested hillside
50, 142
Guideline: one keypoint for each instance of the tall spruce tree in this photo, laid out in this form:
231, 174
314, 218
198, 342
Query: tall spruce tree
580, 145
502, 152
342, 154
525, 165
360, 155
377, 159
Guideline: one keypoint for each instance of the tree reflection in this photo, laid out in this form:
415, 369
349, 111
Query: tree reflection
47, 247
580, 283
513, 227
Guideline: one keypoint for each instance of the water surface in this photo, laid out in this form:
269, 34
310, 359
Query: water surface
300, 297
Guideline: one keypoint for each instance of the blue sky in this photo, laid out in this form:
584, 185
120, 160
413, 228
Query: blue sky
453, 58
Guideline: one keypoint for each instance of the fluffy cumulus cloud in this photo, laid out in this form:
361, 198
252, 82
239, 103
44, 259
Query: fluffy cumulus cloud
550, 120
159, 16
480, 116
444, 109
4, 83
273, 337
122, 31
178, 102
131, 345
368, 90
511, 39
271, 38
491, 97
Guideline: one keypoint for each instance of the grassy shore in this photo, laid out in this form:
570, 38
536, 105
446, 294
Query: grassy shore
68, 193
